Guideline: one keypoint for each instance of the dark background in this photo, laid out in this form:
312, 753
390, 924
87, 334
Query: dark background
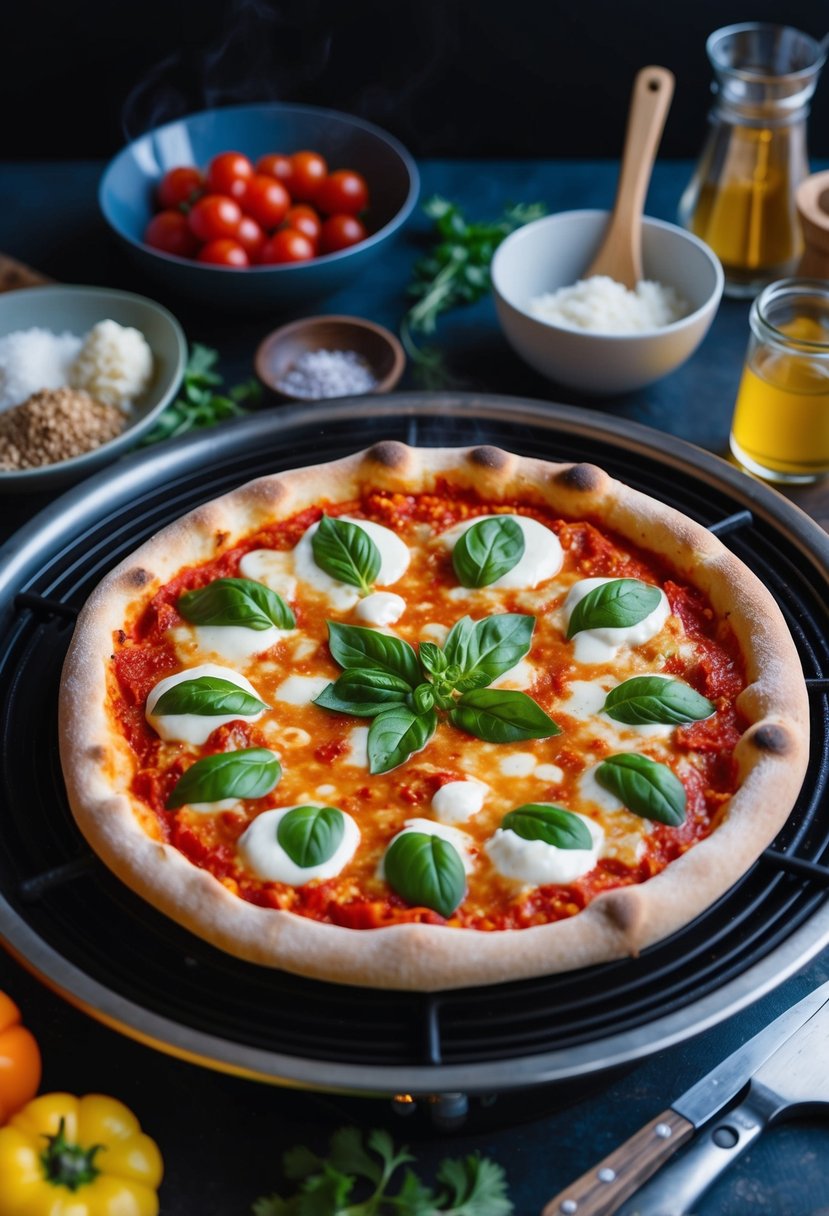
448, 77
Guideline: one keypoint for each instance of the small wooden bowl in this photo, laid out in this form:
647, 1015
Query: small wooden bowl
380, 349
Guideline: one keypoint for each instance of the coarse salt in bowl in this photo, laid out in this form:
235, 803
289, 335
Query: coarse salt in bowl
553, 253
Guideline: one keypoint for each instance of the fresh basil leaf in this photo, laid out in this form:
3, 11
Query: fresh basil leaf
356, 646
488, 549
364, 692
346, 552
500, 716
614, 605
249, 773
432, 658
423, 698
236, 601
485, 649
311, 835
646, 700
552, 824
396, 734
645, 787
208, 695
426, 871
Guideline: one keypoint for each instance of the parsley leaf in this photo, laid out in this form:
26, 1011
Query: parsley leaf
357, 1176
199, 404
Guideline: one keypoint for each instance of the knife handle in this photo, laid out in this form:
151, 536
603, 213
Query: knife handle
606, 1186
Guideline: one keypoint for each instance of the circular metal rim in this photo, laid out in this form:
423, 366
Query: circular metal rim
602, 1054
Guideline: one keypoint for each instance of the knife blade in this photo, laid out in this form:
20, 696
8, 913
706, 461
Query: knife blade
794, 1079
607, 1185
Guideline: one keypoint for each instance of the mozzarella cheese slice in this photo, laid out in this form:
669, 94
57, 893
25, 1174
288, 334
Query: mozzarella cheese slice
195, 728
394, 561
273, 568
534, 863
262, 853
380, 608
542, 558
458, 801
300, 690
601, 645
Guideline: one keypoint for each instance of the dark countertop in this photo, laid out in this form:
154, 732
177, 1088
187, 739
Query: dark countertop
222, 1136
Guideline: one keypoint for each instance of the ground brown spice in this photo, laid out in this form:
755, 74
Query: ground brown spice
55, 424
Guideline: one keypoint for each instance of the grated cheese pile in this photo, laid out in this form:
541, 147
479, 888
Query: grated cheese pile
602, 305
115, 364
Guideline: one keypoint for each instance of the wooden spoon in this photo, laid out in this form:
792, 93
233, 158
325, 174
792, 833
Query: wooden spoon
620, 253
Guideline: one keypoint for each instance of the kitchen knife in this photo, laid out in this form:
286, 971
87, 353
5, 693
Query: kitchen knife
606, 1186
794, 1079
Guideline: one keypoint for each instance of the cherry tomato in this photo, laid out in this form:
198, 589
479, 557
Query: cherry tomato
287, 245
343, 192
170, 232
180, 187
303, 218
251, 237
341, 232
275, 165
229, 173
215, 216
223, 252
266, 200
308, 171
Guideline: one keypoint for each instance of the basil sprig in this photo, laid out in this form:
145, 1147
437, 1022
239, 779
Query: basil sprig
552, 824
426, 871
614, 605
208, 696
249, 773
490, 548
346, 552
311, 835
648, 700
647, 788
236, 601
384, 679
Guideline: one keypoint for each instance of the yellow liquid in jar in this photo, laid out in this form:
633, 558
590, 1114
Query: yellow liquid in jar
781, 418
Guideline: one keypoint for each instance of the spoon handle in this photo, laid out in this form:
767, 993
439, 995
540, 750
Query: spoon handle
620, 255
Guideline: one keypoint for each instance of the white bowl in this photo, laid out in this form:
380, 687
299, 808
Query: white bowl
554, 252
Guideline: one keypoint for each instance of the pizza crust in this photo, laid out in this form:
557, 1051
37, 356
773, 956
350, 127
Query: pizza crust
772, 755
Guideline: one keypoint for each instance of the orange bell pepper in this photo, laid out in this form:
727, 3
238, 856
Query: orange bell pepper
19, 1060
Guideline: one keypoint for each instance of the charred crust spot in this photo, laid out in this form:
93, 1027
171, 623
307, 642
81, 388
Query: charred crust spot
220, 538
623, 912
137, 577
586, 478
96, 754
389, 453
489, 457
772, 739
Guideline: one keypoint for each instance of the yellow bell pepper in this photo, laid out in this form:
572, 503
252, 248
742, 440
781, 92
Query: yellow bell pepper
67, 1156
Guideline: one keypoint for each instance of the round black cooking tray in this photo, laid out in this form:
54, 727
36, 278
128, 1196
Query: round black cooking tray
88, 937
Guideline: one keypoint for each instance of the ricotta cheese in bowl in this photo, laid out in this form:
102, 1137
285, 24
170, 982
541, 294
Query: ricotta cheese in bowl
602, 305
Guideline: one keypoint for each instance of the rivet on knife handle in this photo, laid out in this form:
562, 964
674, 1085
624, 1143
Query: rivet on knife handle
607, 1185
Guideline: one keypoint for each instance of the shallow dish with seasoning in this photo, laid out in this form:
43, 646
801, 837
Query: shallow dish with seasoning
283, 360
75, 310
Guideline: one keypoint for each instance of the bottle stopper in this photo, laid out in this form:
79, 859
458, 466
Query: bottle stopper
812, 200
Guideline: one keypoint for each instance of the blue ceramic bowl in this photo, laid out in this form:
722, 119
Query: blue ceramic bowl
128, 185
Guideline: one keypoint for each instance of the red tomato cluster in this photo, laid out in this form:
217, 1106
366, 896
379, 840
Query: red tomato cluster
282, 209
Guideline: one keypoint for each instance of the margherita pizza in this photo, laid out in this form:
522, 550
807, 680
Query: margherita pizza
431, 718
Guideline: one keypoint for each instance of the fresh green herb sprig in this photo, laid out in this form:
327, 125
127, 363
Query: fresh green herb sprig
199, 403
360, 1177
456, 271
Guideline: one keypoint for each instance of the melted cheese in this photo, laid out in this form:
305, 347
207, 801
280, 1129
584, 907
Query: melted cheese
394, 561
273, 568
300, 690
262, 853
195, 728
357, 753
232, 642
520, 677
458, 801
584, 702
380, 608
601, 645
542, 557
534, 863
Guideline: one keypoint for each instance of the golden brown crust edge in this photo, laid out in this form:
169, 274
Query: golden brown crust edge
772, 755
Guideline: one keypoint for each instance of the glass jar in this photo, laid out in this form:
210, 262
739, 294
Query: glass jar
740, 200
780, 428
